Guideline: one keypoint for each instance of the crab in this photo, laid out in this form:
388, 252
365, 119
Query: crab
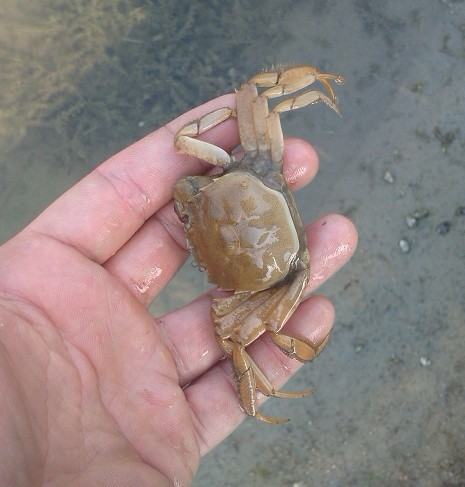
243, 226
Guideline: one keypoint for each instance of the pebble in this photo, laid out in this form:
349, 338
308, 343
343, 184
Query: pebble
404, 246
425, 362
388, 177
411, 221
443, 228
419, 214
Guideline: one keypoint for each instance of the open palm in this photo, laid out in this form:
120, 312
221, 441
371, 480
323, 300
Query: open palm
93, 389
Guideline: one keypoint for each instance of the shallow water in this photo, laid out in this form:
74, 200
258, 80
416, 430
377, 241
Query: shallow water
81, 81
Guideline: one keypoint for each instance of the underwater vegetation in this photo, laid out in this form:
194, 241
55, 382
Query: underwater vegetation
100, 73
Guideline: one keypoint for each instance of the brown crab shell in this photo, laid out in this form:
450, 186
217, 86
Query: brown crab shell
240, 231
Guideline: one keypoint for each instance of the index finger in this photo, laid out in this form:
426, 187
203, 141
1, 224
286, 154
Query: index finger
101, 212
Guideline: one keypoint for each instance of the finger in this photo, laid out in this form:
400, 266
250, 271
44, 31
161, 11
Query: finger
301, 163
101, 212
329, 247
152, 256
213, 396
189, 332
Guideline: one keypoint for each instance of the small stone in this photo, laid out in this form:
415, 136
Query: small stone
420, 214
417, 87
443, 228
460, 211
141, 123
404, 246
411, 221
425, 362
388, 177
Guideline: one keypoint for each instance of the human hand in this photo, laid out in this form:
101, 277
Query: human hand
93, 389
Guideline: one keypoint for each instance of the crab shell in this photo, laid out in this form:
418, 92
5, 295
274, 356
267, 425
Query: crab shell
246, 235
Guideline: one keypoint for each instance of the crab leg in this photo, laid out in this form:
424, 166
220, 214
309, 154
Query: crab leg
285, 305
275, 135
298, 348
244, 321
261, 381
267, 389
240, 319
260, 114
245, 373
256, 130
286, 81
185, 142
245, 118
249, 379
307, 98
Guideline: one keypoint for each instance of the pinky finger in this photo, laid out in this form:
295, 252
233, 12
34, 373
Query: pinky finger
213, 398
